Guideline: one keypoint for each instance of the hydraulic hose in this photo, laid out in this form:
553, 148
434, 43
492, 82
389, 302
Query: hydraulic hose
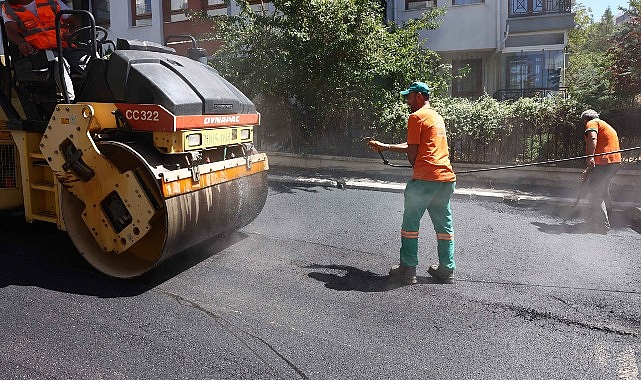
386, 162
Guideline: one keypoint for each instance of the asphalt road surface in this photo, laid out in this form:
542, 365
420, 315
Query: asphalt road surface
303, 293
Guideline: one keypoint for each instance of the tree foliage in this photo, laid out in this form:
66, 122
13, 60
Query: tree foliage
333, 63
625, 53
526, 130
589, 73
481, 119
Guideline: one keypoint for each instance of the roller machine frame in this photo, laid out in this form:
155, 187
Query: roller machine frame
154, 155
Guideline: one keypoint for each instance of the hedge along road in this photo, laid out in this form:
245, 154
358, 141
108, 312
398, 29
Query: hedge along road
302, 292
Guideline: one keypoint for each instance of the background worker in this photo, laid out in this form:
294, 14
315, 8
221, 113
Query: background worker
433, 182
600, 137
30, 25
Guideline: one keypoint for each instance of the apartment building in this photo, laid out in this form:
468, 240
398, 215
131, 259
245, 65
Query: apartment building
621, 18
513, 48
160, 21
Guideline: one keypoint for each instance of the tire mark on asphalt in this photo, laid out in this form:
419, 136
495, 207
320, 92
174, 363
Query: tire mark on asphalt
491, 282
531, 314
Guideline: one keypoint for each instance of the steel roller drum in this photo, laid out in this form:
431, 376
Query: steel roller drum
180, 222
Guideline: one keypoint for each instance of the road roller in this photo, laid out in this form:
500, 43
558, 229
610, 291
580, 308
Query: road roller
154, 154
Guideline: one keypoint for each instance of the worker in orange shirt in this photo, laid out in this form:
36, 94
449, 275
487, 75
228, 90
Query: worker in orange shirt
30, 25
600, 137
432, 184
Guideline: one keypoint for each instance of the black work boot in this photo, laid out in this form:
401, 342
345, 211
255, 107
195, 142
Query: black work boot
404, 274
441, 273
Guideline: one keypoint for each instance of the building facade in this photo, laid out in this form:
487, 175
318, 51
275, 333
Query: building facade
511, 48
160, 21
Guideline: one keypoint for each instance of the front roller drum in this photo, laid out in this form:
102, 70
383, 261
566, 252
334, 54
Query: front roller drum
180, 222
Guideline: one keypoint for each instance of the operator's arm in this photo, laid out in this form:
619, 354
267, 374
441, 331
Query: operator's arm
410, 149
590, 147
72, 22
412, 152
378, 146
13, 34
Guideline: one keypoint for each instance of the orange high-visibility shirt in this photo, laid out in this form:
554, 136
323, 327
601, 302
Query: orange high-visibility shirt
606, 141
426, 128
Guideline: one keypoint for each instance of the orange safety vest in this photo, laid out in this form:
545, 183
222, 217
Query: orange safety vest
40, 30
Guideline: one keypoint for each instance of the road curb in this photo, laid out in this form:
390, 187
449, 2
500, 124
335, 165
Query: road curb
631, 209
397, 187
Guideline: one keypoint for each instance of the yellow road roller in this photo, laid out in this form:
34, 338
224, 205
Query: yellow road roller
154, 155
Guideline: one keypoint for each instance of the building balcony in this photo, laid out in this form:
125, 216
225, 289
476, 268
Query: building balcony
528, 16
521, 8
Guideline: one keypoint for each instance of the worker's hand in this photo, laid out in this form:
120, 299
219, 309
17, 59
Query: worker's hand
377, 146
586, 174
590, 162
25, 48
66, 34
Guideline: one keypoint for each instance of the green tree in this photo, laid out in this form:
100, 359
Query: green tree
625, 54
333, 64
589, 73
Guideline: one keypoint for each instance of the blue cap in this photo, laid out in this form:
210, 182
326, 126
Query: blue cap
417, 87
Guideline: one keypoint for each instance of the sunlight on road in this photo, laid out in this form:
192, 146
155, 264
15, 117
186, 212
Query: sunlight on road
625, 362
628, 369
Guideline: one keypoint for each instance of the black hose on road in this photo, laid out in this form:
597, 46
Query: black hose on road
386, 162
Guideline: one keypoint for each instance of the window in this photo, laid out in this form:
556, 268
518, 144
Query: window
176, 10
534, 7
534, 70
467, 2
470, 86
259, 5
140, 12
219, 7
215, 7
419, 4
100, 10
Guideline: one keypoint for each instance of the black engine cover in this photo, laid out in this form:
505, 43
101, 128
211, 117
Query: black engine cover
182, 85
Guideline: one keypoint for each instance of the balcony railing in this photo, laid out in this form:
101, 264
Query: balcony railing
515, 94
520, 8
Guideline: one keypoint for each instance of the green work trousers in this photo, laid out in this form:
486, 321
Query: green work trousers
435, 198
